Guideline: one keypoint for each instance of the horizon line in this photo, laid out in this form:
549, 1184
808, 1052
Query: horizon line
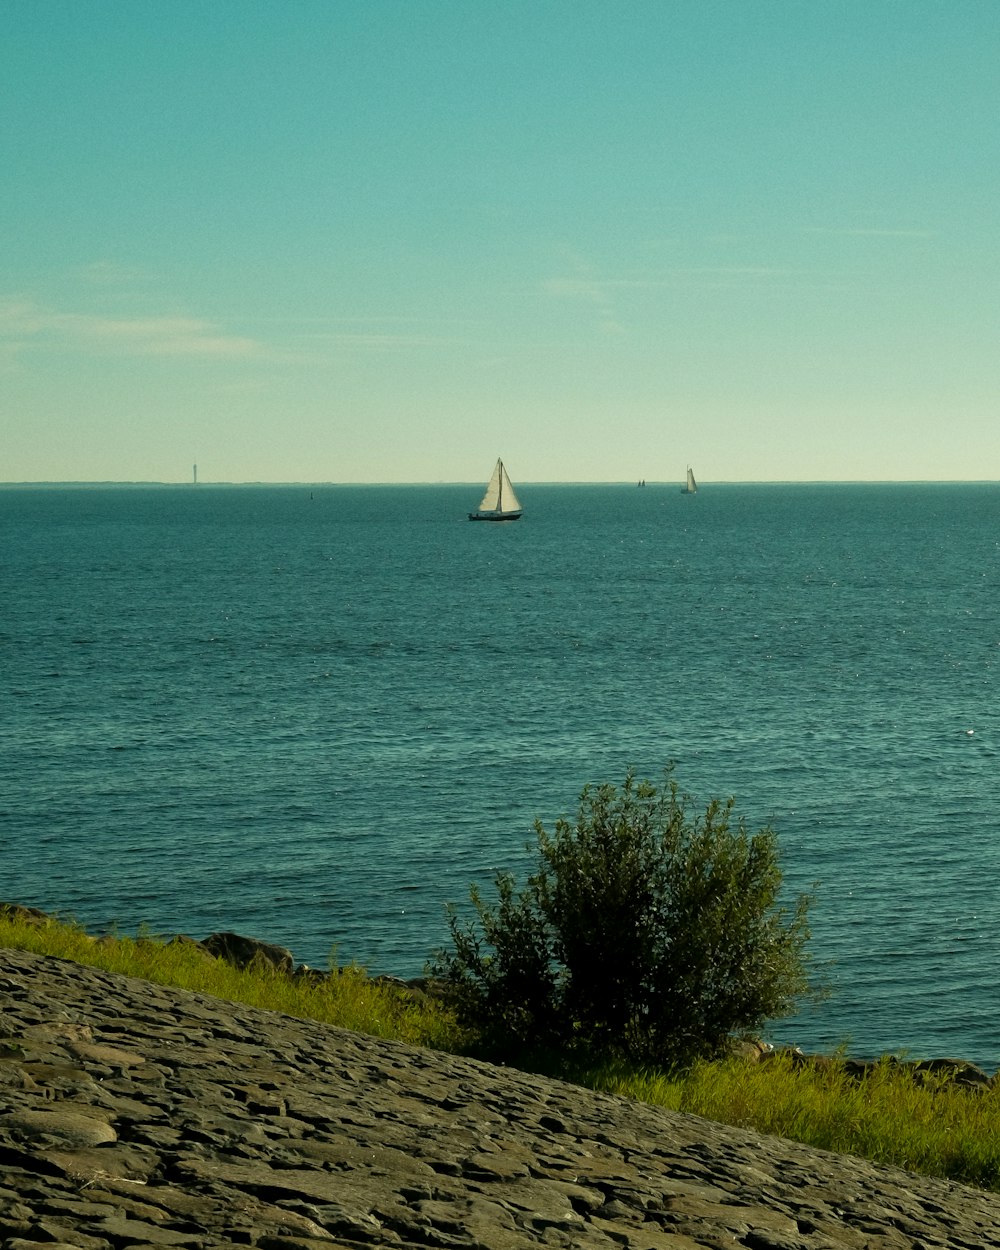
27, 483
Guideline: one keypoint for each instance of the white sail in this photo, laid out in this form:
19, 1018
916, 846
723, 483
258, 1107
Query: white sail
500, 502
508, 501
692, 486
491, 499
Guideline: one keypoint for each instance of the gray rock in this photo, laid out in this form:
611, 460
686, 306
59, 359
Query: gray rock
242, 951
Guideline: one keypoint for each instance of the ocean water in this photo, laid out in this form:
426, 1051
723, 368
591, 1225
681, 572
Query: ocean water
316, 715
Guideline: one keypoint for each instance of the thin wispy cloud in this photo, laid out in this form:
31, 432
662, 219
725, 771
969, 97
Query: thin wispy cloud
23, 324
739, 271
160, 336
599, 292
19, 318
868, 232
376, 342
27, 326
588, 290
109, 273
583, 287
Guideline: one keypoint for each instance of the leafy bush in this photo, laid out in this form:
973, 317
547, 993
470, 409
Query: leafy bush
645, 931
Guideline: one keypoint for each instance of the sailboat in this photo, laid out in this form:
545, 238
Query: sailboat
499, 503
691, 486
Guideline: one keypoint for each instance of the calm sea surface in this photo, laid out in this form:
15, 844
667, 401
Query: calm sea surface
317, 715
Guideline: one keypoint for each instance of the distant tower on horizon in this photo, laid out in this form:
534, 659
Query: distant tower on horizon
195, 482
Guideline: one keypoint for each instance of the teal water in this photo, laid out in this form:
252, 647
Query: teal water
316, 715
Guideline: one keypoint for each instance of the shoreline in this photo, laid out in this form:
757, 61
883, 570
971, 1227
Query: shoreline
240, 951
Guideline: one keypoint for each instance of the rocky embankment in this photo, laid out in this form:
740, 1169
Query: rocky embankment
137, 1116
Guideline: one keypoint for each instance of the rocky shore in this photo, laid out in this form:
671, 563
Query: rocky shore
137, 1116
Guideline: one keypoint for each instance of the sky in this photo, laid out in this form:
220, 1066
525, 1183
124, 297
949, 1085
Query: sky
390, 240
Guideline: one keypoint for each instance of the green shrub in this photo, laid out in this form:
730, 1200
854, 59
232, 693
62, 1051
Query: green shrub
646, 931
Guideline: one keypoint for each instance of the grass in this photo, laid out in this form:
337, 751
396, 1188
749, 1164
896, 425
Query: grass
938, 1128
346, 999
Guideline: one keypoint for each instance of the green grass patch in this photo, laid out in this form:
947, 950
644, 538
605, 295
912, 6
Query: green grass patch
346, 998
938, 1128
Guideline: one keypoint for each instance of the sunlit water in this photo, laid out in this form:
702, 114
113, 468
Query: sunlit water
317, 715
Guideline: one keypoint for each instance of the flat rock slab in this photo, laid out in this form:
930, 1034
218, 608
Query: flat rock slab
137, 1116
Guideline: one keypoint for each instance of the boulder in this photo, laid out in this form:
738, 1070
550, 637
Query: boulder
750, 1049
958, 1071
935, 1072
24, 915
242, 951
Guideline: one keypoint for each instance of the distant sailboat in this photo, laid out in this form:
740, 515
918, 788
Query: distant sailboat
500, 502
691, 486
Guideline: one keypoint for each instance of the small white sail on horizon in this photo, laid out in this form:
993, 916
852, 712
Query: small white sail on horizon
499, 503
691, 486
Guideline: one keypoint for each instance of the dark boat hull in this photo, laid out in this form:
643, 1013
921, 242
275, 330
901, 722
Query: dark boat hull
494, 516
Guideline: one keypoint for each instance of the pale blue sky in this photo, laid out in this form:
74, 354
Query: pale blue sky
389, 240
